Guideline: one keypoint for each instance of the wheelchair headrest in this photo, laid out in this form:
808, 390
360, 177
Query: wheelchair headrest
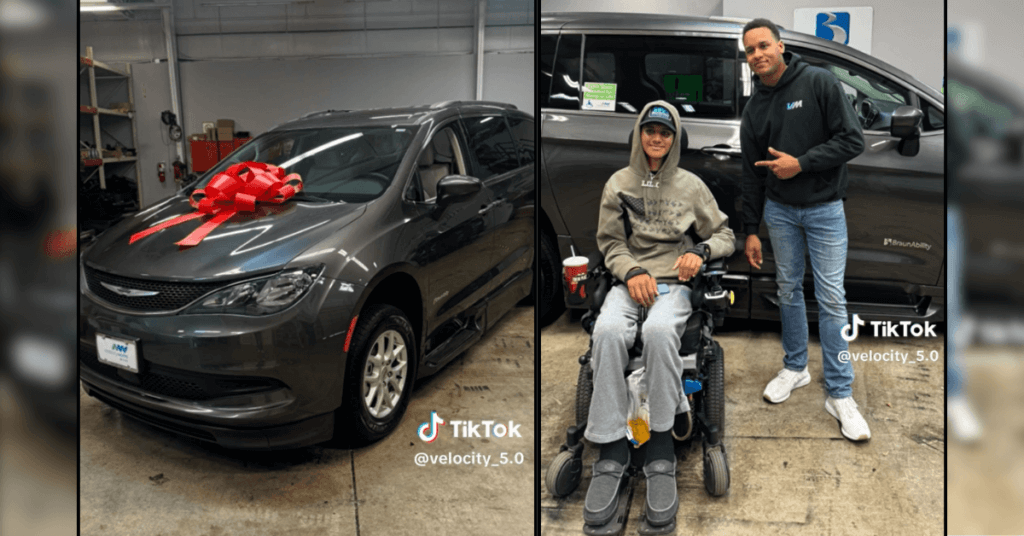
595, 259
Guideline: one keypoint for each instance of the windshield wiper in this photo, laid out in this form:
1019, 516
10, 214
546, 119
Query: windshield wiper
303, 196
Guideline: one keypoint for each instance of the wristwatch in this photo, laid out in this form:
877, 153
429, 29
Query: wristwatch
702, 250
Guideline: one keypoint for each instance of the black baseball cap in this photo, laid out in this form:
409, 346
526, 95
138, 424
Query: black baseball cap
659, 114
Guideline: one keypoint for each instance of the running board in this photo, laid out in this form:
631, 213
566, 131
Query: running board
923, 309
470, 332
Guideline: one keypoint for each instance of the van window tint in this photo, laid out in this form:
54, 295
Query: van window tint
492, 146
565, 87
697, 75
547, 65
873, 96
523, 130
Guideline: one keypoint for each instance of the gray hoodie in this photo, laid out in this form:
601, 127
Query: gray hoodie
661, 209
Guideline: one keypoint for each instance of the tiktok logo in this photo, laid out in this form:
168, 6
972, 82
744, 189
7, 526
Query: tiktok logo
428, 430
846, 329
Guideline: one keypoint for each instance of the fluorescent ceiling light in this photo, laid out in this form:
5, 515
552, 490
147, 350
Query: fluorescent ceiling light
98, 7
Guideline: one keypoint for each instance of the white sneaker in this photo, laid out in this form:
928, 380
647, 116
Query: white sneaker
962, 420
779, 388
854, 427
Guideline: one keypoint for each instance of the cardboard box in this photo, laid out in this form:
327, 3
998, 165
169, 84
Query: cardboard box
226, 123
225, 134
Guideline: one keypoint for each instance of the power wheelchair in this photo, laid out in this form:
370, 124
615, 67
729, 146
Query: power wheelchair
703, 369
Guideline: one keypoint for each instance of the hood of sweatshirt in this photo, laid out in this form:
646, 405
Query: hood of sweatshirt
794, 64
638, 159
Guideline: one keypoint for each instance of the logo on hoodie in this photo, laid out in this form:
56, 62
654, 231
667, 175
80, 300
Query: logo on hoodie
794, 105
833, 26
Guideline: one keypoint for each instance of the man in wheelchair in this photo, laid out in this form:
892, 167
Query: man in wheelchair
653, 267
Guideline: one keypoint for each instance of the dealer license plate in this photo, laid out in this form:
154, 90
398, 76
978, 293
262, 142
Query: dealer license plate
120, 353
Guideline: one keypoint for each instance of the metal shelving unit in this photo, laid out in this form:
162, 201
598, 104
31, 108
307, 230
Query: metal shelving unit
99, 72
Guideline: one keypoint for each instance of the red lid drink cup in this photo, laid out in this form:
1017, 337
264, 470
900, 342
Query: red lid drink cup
575, 270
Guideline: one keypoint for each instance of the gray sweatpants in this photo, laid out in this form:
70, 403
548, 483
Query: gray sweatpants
614, 334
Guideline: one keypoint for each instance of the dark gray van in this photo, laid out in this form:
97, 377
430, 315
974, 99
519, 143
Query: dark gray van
597, 70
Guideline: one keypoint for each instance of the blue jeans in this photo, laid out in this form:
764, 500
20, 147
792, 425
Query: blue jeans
821, 231
954, 299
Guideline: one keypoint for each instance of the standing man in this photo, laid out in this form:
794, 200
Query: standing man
797, 134
663, 201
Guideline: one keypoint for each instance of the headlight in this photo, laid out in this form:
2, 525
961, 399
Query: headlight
261, 296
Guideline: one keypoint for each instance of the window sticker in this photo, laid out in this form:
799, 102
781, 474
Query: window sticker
599, 96
688, 108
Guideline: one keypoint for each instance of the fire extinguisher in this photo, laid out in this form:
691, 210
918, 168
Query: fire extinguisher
179, 171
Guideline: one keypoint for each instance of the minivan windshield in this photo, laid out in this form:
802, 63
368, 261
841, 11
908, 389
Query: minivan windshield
351, 165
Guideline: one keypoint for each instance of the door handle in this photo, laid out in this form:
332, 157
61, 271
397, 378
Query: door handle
723, 150
487, 208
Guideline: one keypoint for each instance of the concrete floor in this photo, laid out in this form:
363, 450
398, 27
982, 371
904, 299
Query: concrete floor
792, 472
986, 480
139, 480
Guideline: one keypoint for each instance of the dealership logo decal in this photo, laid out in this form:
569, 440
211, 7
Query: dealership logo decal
120, 348
903, 244
795, 104
833, 26
131, 293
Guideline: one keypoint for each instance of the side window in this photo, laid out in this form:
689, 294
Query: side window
437, 160
547, 65
934, 119
565, 87
872, 96
491, 146
624, 73
522, 128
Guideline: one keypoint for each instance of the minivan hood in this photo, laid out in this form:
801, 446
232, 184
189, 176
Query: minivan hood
248, 243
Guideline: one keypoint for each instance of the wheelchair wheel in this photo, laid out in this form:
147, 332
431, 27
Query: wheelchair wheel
584, 391
716, 472
564, 474
714, 393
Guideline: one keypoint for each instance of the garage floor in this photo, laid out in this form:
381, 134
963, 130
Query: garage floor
986, 481
139, 480
792, 471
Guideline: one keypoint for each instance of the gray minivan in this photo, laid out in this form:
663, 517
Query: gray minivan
597, 70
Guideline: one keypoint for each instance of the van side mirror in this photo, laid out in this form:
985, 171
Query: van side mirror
456, 187
906, 125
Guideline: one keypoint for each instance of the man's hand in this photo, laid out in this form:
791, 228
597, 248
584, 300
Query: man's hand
643, 289
753, 251
688, 266
784, 166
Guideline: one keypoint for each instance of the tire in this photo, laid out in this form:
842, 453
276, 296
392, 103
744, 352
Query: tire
564, 474
584, 392
714, 394
550, 299
716, 473
374, 402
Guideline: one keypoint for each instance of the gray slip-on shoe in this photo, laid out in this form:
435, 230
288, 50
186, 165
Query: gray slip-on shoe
603, 494
662, 494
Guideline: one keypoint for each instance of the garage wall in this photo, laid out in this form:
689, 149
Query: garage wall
909, 34
263, 79
712, 8
993, 25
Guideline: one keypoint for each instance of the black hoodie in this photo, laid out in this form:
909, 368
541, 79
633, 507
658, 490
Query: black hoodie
805, 115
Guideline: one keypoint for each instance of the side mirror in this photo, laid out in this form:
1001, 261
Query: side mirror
906, 125
456, 187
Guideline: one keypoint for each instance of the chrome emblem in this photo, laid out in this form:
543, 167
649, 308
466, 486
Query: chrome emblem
131, 293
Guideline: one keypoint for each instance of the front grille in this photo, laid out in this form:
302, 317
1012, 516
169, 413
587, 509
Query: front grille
171, 295
178, 384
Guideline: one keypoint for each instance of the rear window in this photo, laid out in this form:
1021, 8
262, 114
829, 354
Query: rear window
351, 165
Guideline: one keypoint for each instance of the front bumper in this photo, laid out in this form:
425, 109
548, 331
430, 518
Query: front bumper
241, 382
